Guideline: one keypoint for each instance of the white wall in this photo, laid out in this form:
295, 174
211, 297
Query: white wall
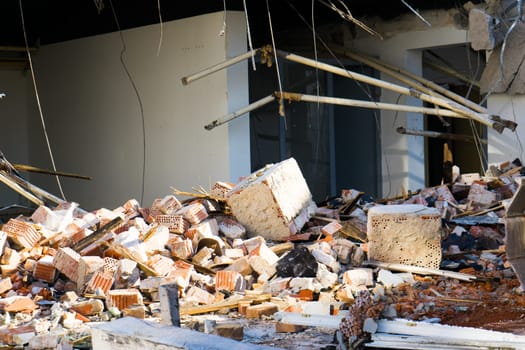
508, 145
403, 156
94, 121
14, 108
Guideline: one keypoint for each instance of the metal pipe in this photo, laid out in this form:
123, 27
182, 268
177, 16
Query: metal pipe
368, 104
225, 64
437, 135
481, 118
404, 76
240, 112
451, 72
6, 180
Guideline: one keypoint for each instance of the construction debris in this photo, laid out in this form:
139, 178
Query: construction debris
261, 252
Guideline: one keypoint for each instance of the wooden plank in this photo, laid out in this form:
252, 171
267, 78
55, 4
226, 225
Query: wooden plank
227, 304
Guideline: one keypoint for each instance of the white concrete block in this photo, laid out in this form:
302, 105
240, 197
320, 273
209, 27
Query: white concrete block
408, 234
273, 202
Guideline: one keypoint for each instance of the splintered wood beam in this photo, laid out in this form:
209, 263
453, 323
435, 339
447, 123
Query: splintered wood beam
453, 106
215, 68
437, 135
367, 104
253, 106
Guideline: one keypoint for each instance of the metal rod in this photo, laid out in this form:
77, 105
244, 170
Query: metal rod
6, 180
368, 104
437, 135
36, 190
29, 168
40, 192
409, 78
240, 112
451, 72
225, 64
481, 118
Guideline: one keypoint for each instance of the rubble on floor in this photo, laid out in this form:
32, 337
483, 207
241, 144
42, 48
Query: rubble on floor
262, 254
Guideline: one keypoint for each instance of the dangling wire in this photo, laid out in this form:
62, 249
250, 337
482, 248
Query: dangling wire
519, 4
366, 91
38, 101
161, 28
249, 34
281, 102
317, 89
139, 99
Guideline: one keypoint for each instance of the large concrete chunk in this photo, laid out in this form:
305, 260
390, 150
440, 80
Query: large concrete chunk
130, 333
406, 234
273, 202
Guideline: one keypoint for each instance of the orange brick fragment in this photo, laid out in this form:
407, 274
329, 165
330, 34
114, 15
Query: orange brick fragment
22, 233
266, 309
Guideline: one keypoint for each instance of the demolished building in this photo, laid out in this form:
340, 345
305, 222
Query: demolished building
385, 104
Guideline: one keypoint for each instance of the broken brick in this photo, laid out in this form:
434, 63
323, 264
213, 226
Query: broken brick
66, 261
22, 233
257, 311
123, 298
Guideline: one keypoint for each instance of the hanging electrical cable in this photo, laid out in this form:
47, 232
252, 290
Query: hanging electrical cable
519, 5
365, 91
161, 24
42, 120
281, 102
139, 99
249, 34
317, 89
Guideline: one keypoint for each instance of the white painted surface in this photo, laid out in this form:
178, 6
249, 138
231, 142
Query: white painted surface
403, 156
507, 145
94, 119
130, 333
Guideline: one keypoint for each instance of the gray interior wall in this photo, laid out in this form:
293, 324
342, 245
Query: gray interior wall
14, 107
94, 120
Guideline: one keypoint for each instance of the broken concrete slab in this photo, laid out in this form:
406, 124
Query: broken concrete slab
134, 334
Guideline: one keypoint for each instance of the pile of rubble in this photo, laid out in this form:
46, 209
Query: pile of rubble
261, 249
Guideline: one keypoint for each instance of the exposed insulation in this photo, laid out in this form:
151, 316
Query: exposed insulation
406, 234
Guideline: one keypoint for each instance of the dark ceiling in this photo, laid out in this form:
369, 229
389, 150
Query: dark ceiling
49, 21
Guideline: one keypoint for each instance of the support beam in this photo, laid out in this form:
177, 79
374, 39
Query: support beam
451, 72
481, 118
438, 135
253, 106
225, 64
413, 80
368, 104
6, 180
